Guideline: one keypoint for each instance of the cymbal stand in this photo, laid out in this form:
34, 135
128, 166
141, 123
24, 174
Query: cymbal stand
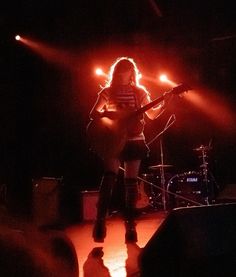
162, 174
170, 121
204, 167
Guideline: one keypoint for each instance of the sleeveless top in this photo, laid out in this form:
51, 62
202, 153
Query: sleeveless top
127, 98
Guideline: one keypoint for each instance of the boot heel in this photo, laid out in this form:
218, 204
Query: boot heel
99, 231
130, 234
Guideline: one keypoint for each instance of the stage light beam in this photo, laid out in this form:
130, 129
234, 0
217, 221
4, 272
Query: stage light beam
49, 52
213, 106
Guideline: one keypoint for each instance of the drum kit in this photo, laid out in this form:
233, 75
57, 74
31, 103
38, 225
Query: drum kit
191, 188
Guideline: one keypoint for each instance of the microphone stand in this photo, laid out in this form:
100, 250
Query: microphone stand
162, 172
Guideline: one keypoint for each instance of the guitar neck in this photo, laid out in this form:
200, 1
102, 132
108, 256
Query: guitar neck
149, 105
176, 90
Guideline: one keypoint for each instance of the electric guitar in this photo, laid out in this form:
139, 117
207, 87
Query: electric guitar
107, 136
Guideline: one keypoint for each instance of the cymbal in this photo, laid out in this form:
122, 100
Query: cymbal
202, 148
159, 166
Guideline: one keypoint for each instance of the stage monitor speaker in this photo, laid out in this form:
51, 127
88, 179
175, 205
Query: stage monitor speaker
193, 241
89, 204
46, 201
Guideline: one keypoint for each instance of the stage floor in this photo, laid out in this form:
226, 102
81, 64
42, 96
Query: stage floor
112, 257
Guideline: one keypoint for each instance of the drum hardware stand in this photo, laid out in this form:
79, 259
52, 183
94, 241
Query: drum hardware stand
167, 191
162, 173
153, 196
170, 121
204, 167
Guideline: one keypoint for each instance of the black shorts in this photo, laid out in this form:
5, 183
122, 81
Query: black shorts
134, 150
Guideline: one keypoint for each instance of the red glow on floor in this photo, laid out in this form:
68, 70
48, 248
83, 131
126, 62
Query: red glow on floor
117, 259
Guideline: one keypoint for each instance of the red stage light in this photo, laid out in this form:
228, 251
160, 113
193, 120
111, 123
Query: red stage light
17, 37
163, 78
99, 71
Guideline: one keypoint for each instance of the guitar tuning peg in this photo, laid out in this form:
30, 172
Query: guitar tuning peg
182, 94
185, 87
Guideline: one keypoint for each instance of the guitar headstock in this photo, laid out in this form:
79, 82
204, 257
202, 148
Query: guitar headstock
180, 89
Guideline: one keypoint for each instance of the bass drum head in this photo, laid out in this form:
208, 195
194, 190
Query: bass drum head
187, 189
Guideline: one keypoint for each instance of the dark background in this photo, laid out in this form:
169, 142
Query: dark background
45, 101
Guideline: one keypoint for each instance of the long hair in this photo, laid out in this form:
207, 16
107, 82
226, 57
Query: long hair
121, 65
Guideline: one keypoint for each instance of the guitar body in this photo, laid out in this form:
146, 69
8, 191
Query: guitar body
106, 137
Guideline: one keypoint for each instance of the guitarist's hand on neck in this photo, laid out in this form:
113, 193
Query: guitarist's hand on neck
167, 96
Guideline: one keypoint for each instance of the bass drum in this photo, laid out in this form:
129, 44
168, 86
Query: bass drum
187, 189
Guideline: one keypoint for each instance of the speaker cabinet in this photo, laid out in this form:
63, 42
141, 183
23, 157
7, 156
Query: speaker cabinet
89, 204
46, 200
193, 241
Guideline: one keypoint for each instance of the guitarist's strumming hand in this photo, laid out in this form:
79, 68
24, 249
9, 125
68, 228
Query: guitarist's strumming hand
118, 115
111, 114
101, 114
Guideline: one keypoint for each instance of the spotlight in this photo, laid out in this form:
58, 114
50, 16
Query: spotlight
163, 78
99, 71
17, 37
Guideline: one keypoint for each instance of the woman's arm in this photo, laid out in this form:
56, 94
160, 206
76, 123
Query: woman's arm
98, 108
154, 112
157, 110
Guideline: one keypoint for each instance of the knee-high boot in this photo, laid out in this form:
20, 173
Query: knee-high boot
105, 193
131, 196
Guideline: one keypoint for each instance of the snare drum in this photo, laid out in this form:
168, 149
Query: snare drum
190, 186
